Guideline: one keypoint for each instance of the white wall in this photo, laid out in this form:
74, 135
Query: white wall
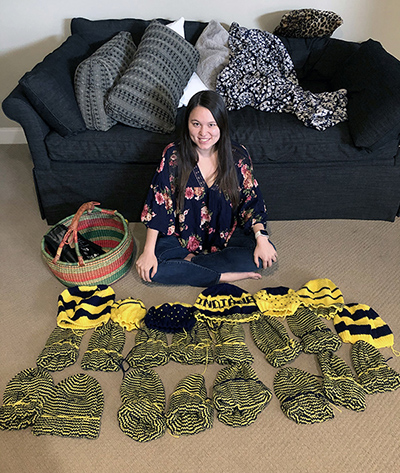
30, 29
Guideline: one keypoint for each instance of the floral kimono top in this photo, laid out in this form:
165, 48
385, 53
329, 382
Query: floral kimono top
207, 219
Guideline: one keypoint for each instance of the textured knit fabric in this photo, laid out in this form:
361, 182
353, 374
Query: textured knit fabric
171, 317
339, 384
24, 398
315, 335
239, 396
301, 396
230, 346
361, 322
85, 307
129, 313
374, 374
61, 349
147, 95
190, 411
192, 348
150, 349
96, 76
271, 337
141, 415
322, 296
74, 411
225, 303
104, 352
277, 301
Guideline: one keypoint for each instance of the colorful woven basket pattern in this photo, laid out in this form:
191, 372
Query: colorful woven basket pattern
111, 232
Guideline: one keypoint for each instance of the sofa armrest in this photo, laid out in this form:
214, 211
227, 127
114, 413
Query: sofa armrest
18, 108
372, 78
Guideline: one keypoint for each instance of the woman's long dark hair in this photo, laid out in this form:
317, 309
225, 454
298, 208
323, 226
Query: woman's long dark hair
226, 177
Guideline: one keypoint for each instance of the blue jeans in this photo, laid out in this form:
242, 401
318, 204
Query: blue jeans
204, 269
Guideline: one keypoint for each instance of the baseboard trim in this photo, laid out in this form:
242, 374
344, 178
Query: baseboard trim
12, 136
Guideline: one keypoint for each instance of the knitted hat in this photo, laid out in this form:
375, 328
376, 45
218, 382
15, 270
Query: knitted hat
151, 349
104, 352
85, 307
313, 332
171, 317
225, 303
190, 411
61, 349
192, 348
141, 415
74, 411
277, 301
271, 337
322, 296
230, 346
239, 396
129, 313
301, 396
360, 322
373, 372
339, 384
24, 397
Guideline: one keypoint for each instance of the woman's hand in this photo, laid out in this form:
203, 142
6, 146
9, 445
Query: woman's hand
265, 251
147, 264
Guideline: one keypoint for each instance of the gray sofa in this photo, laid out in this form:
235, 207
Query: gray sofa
349, 171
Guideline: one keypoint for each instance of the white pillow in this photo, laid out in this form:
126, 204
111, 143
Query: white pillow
194, 85
178, 26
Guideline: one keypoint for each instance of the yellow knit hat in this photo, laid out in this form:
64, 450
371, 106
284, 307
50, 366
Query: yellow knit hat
322, 296
129, 313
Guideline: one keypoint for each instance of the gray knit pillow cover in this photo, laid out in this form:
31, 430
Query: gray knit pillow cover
97, 75
148, 94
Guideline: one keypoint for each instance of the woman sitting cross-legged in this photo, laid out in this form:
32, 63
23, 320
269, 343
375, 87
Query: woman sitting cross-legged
204, 213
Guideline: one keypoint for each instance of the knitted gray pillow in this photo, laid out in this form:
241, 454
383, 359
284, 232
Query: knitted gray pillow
148, 94
96, 76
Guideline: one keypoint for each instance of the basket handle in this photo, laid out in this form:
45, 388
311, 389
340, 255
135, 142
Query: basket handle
71, 235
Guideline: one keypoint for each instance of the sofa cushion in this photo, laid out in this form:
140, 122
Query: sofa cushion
96, 32
308, 23
374, 97
214, 53
97, 75
50, 88
148, 93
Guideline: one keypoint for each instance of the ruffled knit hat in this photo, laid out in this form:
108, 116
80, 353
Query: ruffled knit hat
277, 301
74, 411
339, 384
151, 349
24, 398
141, 415
171, 317
301, 396
374, 374
271, 337
104, 352
192, 348
225, 303
190, 411
85, 307
315, 335
239, 396
61, 349
129, 313
322, 296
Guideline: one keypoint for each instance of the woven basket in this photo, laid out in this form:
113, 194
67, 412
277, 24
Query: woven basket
108, 229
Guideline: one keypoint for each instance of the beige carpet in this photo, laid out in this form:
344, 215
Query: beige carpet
361, 257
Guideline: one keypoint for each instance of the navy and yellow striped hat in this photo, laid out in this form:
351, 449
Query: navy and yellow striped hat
361, 322
322, 296
225, 303
85, 307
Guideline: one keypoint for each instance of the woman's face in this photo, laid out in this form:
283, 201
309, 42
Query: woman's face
203, 129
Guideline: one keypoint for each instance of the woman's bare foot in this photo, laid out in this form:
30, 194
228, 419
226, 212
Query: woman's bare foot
230, 277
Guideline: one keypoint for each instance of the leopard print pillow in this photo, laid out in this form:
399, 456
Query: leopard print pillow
308, 23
